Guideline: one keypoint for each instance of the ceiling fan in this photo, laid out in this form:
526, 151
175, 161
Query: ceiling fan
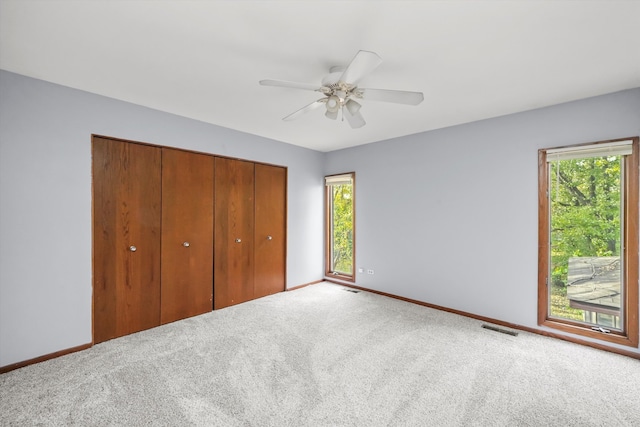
340, 89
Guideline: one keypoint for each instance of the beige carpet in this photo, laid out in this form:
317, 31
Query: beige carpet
323, 356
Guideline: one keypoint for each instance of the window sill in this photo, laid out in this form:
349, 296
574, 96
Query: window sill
344, 278
585, 331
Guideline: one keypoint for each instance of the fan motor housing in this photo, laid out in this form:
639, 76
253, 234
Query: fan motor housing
331, 79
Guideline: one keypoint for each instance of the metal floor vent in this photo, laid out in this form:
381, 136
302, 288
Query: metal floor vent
502, 331
351, 290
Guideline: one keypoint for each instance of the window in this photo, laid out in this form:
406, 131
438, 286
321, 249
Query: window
588, 240
340, 226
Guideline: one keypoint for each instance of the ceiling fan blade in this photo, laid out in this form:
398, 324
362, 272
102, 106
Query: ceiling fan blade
362, 64
293, 85
396, 96
305, 109
355, 120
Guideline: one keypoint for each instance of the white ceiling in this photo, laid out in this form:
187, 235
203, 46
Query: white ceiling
203, 59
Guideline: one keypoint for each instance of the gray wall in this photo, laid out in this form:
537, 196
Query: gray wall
449, 217
45, 203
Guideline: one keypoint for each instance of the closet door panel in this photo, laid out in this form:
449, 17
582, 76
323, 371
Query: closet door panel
126, 237
234, 228
187, 234
270, 230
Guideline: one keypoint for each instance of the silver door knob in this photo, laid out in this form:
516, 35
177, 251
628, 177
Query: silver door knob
133, 248
269, 238
238, 240
186, 244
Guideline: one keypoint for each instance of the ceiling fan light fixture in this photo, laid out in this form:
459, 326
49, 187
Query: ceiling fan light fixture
331, 115
341, 86
333, 104
353, 106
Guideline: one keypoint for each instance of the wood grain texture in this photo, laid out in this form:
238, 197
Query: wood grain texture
543, 237
632, 243
187, 216
270, 221
234, 220
127, 203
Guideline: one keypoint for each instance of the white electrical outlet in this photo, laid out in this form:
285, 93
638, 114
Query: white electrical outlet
369, 271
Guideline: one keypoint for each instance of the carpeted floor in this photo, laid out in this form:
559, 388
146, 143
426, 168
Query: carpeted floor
323, 356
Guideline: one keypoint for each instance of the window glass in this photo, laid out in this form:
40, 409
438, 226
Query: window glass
340, 225
585, 234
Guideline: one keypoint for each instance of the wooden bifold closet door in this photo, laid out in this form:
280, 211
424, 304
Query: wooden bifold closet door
126, 238
178, 233
187, 234
250, 234
234, 226
270, 229
152, 236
